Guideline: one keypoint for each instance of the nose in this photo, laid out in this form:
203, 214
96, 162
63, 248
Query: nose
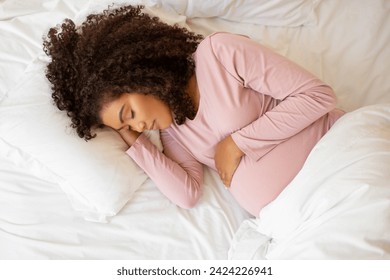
140, 126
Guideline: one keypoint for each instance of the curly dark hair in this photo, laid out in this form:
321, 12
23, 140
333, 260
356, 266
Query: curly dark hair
120, 50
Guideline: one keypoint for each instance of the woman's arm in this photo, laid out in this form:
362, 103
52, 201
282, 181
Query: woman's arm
302, 97
175, 172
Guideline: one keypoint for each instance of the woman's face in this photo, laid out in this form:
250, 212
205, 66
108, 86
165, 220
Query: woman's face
138, 111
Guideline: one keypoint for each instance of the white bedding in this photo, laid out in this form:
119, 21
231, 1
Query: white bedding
338, 206
344, 42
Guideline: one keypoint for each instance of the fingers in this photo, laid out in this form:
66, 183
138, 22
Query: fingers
227, 157
226, 180
128, 135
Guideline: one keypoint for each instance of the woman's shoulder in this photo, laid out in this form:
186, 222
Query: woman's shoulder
220, 38
224, 37
220, 44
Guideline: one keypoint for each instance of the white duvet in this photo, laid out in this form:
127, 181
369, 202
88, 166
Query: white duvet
338, 206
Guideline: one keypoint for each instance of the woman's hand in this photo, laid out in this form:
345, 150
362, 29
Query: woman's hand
128, 135
227, 157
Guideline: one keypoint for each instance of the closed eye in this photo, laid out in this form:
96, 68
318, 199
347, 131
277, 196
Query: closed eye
132, 116
121, 113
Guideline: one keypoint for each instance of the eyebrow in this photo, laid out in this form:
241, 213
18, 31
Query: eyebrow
121, 113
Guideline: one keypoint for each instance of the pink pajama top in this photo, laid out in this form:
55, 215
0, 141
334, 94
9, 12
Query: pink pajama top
275, 111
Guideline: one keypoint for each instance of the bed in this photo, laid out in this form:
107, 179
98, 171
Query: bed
63, 198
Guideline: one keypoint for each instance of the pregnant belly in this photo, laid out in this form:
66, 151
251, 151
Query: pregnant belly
257, 183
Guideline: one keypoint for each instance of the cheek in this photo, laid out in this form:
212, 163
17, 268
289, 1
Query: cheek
165, 116
168, 113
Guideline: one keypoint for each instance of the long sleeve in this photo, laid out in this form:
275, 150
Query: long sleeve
301, 97
175, 172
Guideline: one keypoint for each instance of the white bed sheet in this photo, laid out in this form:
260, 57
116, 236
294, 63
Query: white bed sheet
37, 222
347, 47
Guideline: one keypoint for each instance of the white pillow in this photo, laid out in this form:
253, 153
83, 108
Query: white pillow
338, 206
21, 26
166, 12
263, 12
98, 177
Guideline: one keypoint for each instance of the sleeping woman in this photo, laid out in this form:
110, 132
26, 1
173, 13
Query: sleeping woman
224, 101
